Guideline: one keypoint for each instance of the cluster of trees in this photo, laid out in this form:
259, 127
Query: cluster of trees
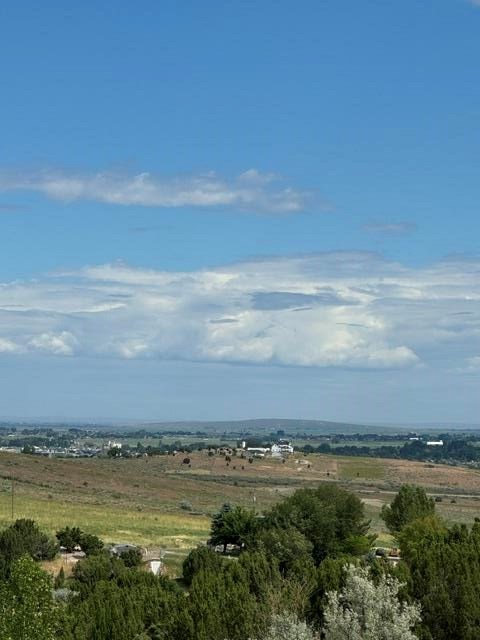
52, 439
22, 538
305, 571
453, 450
72, 537
157, 450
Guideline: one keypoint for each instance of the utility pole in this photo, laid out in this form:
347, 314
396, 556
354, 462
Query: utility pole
13, 495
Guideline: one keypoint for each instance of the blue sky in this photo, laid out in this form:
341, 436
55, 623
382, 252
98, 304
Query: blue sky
232, 210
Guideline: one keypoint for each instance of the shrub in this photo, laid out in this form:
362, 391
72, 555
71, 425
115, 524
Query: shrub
186, 505
132, 557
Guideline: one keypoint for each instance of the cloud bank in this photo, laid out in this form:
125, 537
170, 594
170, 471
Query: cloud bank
250, 191
350, 310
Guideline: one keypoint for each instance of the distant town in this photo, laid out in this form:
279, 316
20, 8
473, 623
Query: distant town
450, 447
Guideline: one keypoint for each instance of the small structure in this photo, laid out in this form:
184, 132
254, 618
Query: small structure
435, 443
111, 444
258, 452
119, 549
72, 557
156, 567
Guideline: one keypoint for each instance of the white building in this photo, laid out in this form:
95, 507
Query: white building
282, 448
114, 445
258, 452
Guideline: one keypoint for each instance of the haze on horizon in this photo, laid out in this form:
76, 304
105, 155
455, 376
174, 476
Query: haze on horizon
215, 212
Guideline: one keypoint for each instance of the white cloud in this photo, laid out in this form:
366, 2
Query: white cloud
8, 346
61, 344
390, 228
251, 191
327, 310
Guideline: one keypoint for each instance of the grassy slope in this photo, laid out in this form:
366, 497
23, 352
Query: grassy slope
139, 500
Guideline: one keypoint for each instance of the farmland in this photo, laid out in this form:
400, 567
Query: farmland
165, 503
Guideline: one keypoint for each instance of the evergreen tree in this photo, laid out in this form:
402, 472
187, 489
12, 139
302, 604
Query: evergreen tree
410, 503
199, 559
123, 605
444, 567
59, 579
330, 576
235, 601
24, 537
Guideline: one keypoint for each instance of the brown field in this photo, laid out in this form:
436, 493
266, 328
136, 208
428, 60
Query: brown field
140, 500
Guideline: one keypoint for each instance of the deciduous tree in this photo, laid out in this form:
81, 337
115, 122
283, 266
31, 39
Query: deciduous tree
233, 526
332, 519
27, 609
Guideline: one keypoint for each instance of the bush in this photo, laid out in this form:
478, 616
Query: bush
363, 610
287, 627
186, 505
132, 558
90, 544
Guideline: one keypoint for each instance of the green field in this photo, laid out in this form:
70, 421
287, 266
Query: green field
170, 530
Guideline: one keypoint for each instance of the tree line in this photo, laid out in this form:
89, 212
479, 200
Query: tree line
461, 450
304, 570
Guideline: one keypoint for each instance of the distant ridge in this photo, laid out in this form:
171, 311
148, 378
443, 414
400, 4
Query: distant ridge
254, 425
267, 425
258, 426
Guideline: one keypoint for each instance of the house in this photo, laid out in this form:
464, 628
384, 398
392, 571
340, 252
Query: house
282, 448
435, 443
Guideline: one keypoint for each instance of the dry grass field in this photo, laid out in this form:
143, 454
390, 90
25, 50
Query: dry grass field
139, 500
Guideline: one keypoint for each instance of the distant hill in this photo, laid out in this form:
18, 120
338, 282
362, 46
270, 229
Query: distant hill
254, 426
268, 425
